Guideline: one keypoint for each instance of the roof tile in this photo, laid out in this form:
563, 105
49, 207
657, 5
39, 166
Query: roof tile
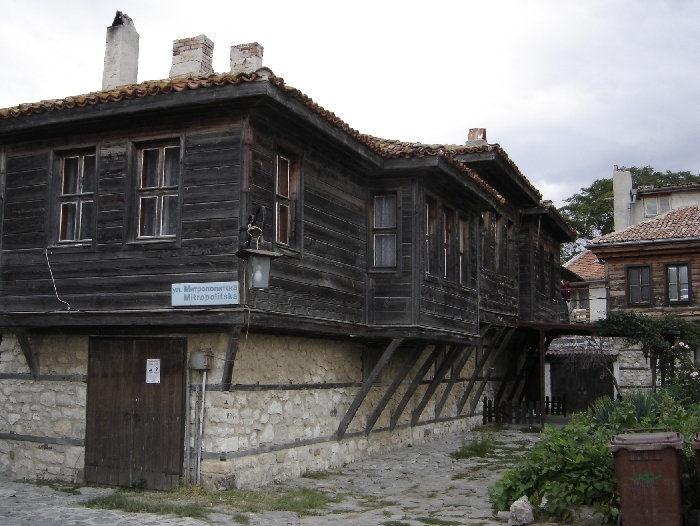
682, 223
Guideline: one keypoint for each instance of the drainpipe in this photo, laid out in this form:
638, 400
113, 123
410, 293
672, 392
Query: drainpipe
200, 428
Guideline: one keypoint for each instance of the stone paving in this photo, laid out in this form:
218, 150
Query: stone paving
410, 486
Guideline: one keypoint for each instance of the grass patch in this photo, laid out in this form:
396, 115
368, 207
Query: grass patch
433, 520
197, 501
481, 447
241, 519
57, 485
124, 501
395, 523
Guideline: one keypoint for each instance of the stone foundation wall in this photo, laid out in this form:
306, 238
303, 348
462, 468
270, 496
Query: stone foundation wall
45, 415
279, 420
288, 398
634, 369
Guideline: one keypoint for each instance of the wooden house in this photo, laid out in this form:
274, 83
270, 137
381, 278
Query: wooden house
140, 343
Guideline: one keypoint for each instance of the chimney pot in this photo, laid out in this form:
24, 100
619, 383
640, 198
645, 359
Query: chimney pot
246, 58
121, 64
192, 57
477, 134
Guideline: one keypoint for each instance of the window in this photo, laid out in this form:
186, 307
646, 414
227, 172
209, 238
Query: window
384, 230
77, 198
677, 283
159, 177
503, 240
656, 205
431, 236
638, 285
287, 184
463, 259
448, 231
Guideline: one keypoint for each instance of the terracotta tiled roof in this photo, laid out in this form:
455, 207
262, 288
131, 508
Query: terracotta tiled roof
162, 87
682, 223
587, 266
396, 149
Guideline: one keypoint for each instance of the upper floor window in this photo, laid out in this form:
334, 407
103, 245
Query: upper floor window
464, 265
158, 188
655, 205
287, 185
638, 285
431, 236
448, 233
677, 283
77, 198
384, 230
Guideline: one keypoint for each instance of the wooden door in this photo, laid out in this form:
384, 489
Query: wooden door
580, 382
135, 417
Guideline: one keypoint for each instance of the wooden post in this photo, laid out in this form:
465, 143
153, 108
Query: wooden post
25, 345
407, 366
227, 376
429, 361
542, 349
437, 378
459, 364
359, 398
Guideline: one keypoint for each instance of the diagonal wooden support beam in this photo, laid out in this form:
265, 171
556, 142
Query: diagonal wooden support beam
531, 360
504, 338
445, 366
427, 364
31, 358
478, 366
459, 365
227, 375
411, 360
373, 375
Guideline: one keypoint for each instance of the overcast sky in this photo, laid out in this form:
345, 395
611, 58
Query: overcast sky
568, 88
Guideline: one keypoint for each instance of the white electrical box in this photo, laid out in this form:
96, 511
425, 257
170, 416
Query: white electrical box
199, 361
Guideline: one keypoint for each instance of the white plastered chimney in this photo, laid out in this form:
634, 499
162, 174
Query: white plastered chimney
246, 58
121, 64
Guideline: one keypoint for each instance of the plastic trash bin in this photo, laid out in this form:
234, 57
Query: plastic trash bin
648, 468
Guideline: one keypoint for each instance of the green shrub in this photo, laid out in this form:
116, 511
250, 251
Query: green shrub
572, 466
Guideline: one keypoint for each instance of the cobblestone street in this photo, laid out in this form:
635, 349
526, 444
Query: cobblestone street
410, 486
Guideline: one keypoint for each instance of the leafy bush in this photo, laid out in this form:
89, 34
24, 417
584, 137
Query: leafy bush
572, 466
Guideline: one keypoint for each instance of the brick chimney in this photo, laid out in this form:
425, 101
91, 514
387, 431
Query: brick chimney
121, 53
246, 58
476, 135
192, 57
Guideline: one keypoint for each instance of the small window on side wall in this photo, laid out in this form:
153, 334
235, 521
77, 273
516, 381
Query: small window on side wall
384, 230
677, 283
158, 189
287, 190
77, 198
638, 285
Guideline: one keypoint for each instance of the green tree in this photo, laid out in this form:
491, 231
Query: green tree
590, 211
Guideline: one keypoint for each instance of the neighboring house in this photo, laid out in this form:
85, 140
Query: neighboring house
649, 264
143, 341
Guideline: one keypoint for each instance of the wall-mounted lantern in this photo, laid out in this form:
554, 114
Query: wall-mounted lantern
257, 259
257, 266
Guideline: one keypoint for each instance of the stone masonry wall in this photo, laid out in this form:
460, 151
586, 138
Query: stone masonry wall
634, 370
288, 398
278, 421
47, 415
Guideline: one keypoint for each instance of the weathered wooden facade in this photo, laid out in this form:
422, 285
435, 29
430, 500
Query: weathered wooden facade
411, 280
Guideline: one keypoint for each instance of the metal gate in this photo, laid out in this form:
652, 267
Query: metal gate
135, 412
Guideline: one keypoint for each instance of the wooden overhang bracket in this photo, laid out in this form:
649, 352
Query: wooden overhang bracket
367, 385
446, 365
411, 360
31, 357
466, 352
427, 364
227, 375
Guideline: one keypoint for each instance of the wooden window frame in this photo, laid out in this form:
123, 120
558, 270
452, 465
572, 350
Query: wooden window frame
287, 207
383, 230
158, 188
656, 199
449, 227
464, 259
678, 284
82, 194
638, 284
432, 231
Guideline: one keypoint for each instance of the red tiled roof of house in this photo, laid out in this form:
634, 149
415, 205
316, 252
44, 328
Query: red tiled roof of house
162, 87
682, 223
587, 266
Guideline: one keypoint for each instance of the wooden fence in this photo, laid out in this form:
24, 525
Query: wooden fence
526, 412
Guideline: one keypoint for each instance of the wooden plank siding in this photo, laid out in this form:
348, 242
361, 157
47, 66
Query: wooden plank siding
117, 271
